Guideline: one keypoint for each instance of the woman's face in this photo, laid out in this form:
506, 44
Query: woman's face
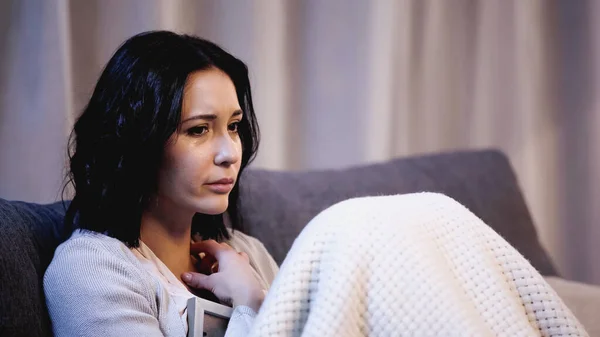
203, 157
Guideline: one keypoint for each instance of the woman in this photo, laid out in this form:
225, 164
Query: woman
158, 152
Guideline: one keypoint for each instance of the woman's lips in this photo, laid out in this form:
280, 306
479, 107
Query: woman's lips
221, 186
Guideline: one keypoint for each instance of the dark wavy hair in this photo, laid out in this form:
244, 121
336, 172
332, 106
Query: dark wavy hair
117, 144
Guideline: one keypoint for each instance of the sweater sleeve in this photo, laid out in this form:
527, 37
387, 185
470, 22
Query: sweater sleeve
91, 291
241, 322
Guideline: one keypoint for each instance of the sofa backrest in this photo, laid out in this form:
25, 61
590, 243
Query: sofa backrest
276, 206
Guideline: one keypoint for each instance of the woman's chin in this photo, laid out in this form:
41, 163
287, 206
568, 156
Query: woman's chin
212, 207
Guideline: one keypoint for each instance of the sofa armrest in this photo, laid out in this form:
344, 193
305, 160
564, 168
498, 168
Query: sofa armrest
583, 300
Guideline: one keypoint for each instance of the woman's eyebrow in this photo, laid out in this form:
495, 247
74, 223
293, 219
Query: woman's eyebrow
210, 117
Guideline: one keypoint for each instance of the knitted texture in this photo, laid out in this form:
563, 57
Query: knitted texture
96, 286
408, 265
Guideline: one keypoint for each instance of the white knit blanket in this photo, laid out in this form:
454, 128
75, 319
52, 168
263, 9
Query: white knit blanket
409, 265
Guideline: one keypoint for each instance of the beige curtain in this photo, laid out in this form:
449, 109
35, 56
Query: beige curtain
344, 82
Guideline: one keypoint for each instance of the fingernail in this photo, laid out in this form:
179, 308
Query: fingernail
186, 277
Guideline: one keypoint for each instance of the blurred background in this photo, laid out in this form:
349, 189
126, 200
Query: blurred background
339, 83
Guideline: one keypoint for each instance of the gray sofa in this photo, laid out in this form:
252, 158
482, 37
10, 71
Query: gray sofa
277, 205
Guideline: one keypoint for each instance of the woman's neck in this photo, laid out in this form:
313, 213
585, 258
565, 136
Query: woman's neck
168, 235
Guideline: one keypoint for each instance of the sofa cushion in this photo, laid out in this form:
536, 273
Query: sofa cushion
30, 233
277, 205
582, 299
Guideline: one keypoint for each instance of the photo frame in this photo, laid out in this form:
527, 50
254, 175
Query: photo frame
207, 318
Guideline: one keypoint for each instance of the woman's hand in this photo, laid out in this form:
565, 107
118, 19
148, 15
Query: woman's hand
234, 281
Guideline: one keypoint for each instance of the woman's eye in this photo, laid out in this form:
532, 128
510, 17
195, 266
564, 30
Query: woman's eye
233, 127
197, 130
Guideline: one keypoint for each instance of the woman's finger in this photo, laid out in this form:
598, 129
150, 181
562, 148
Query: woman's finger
211, 247
205, 264
198, 281
214, 268
245, 256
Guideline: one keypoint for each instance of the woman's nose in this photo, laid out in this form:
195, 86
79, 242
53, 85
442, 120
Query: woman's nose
227, 151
